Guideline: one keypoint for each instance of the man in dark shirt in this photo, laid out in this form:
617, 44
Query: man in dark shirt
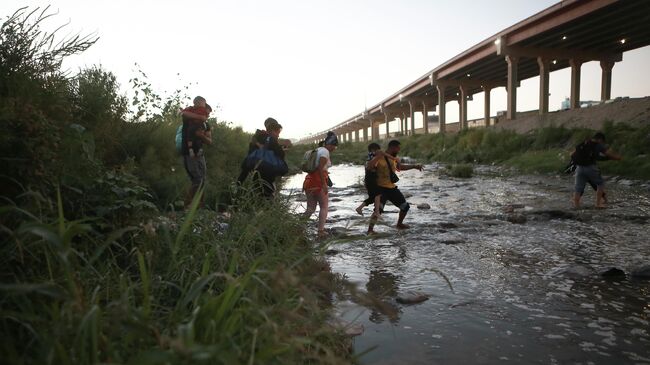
193, 157
587, 171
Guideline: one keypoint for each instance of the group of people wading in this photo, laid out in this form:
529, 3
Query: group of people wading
265, 162
380, 178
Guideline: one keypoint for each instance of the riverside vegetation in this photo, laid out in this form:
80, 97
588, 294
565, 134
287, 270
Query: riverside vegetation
545, 150
96, 264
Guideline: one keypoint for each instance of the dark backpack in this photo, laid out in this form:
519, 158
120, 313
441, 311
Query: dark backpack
266, 162
585, 154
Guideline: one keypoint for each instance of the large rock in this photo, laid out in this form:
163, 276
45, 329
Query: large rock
411, 297
424, 206
516, 218
613, 272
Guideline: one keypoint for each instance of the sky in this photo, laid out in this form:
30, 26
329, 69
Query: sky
309, 64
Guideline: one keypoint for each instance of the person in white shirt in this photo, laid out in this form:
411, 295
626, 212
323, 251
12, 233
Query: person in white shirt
316, 183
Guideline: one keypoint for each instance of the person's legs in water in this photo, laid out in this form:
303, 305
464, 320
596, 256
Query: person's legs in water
323, 202
580, 182
397, 198
600, 197
593, 186
312, 200
363, 204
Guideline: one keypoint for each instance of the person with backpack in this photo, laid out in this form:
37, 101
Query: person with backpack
585, 156
317, 182
194, 133
265, 159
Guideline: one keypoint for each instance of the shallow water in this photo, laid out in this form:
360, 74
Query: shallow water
522, 293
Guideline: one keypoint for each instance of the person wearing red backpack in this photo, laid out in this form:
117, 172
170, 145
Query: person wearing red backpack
585, 156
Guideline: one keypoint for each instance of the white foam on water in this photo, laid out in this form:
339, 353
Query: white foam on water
555, 337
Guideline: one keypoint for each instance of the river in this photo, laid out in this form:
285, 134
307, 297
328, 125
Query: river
532, 291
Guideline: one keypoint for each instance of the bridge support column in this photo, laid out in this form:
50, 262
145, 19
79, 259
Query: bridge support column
365, 133
441, 107
387, 121
425, 118
405, 120
375, 128
575, 83
512, 86
412, 116
463, 107
356, 135
606, 80
486, 107
544, 68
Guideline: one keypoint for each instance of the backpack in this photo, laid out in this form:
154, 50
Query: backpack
585, 154
266, 162
179, 139
309, 161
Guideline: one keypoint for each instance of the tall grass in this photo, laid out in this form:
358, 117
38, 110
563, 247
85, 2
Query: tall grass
97, 267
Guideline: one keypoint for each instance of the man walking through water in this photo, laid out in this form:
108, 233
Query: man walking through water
585, 156
386, 179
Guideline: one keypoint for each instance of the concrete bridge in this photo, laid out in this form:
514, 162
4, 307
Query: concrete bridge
564, 35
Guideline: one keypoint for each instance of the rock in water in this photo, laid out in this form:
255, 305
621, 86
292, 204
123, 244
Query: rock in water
412, 298
516, 218
424, 206
447, 225
349, 328
613, 272
642, 272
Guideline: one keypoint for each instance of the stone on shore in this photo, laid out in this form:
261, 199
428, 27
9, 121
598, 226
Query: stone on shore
424, 206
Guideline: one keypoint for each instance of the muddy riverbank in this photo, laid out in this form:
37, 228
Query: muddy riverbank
513, 274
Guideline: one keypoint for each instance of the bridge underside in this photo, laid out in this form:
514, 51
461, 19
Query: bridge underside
565, 35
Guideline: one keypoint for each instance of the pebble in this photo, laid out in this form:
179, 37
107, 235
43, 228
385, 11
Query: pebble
411, 297
424, 206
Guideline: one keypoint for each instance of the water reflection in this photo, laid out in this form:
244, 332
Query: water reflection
529, 292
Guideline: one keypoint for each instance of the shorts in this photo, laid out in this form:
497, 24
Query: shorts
394, 196
196, 169
588, 174
373, 190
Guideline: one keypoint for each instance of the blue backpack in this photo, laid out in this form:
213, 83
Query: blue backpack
266, 162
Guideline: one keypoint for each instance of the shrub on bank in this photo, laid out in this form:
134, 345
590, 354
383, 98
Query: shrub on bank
545, 150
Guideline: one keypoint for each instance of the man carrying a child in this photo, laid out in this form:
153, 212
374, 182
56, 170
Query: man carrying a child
196, 132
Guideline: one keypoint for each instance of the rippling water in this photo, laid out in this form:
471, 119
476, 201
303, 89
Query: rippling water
523, 293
